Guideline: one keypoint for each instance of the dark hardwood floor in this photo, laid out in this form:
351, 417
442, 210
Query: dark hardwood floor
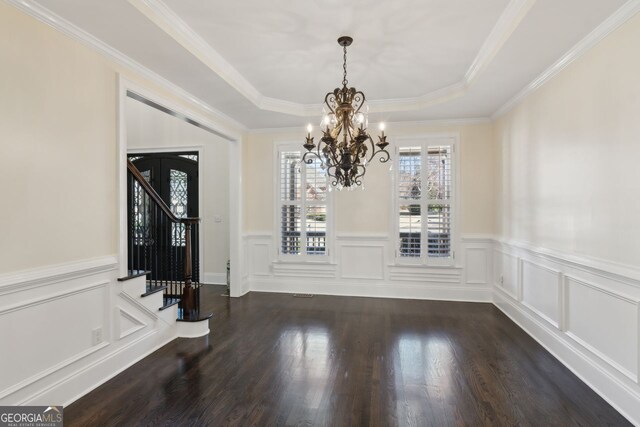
272, 359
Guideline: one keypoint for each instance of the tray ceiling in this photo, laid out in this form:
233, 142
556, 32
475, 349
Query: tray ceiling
269, 63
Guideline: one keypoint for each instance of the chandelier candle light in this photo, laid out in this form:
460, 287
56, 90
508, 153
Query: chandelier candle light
345, 147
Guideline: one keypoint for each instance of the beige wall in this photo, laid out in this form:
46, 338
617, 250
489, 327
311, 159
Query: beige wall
149, 128
58, 145
58, 131
569, 154
367, 211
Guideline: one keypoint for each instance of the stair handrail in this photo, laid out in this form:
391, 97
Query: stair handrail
156, 197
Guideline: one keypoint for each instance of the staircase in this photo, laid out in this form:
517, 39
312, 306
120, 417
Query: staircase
162, 260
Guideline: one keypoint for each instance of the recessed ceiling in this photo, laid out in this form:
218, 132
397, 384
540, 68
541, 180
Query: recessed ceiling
287, 48
268, 63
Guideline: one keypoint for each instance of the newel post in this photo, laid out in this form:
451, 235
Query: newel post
188, 295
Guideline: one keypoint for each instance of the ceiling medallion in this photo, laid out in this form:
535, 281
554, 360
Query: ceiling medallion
345, 147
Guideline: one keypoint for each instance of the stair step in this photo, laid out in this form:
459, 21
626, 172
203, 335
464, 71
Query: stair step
168, 302
152, 290
133, 274
198, 317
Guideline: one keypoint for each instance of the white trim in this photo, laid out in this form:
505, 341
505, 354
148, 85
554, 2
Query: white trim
619, 17
604, 268
438, 291
121, 312
390, 125
130, 360
43, 276
510, 19
615, 392
46, 16
193, 329
215, 278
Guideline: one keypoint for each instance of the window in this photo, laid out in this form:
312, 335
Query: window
303, 205
425, 189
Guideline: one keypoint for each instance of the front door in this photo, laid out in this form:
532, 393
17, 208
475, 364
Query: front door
174, 176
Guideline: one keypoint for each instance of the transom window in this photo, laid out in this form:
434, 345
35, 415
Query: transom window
303, 200
425, 188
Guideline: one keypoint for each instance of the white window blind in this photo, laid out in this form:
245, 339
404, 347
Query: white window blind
303, 200
425, 188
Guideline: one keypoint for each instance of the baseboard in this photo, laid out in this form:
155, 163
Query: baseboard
432, 291
215, 278
92, 376
619, 395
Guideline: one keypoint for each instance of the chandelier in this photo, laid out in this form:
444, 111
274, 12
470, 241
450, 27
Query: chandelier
345, 147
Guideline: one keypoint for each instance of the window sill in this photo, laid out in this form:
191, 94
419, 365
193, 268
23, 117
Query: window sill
424, 266
303, 262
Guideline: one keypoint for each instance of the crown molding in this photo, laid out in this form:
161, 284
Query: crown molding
510, 19
168, 21
390, 125
619, 17
48, 17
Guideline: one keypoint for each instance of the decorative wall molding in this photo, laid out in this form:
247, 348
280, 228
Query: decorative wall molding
595, 328
622, 15
47, 275
137, 324
43, 301
393, 125
57, 367
365, 266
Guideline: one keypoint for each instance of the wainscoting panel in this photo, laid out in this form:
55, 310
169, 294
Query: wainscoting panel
477, 266
506, 274
585, 312
362, 261
364, 265
260, 254
603, 322
47, 332
541, 290
68, 328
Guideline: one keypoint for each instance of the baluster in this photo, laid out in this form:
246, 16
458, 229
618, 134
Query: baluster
154, 248
130, 232
161, 246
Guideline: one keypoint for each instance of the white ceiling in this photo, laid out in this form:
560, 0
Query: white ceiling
269, 63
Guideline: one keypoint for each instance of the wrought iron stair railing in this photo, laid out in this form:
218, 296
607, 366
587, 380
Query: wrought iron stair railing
164, 246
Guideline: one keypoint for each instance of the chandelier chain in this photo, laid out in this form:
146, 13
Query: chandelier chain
344, 67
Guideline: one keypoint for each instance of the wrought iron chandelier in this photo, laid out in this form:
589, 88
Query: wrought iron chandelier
345, 147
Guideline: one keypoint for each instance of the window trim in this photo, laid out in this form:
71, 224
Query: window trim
328, 257
425, 140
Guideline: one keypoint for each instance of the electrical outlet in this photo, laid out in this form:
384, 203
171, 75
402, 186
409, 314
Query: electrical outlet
217, 218
96, 336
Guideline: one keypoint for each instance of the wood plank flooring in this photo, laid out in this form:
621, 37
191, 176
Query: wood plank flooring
272, 359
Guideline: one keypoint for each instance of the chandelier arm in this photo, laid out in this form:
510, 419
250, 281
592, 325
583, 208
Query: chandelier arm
375, 151
307, 157
358, 179
336, 179
359, 93
329, 97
